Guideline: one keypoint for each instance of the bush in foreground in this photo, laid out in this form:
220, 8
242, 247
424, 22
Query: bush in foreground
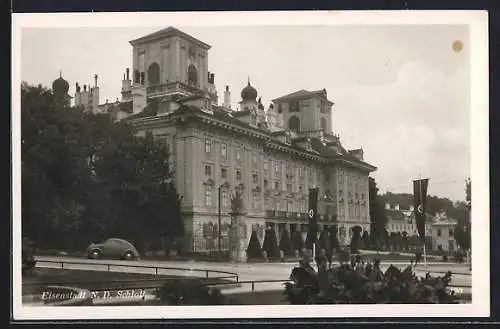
191, 292
359, 283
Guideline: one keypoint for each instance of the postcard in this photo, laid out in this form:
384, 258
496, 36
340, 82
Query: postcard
225, 165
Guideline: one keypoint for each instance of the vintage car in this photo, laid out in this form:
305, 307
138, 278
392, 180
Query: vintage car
113, 248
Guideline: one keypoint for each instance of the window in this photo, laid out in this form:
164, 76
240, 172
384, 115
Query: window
208, 170
254, 158
238, 153
289, 188
208, 146
280, 108
301, 172
450, 245
323, 124
223, 173
192, 75
450, 232
149, 135
265, 183
255, 200
439, 232
154, 74
289, 205
223, 150
276, 167
208, 197
276, 185
141, 64
294, 106
225, 199
266, 165
238, 175
300, 189
294, 124
255, 178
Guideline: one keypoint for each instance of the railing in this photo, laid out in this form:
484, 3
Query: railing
156, 269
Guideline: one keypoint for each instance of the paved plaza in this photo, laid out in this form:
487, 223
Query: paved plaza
246, 271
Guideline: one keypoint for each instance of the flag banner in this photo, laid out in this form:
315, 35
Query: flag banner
312, 234
419, 199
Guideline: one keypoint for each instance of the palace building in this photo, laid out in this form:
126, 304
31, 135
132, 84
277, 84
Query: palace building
272, 155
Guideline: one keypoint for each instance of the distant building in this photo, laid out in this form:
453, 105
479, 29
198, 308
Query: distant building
272, 156
439, 229
443, 233
403, 220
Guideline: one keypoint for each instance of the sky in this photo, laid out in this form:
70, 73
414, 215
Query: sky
401, 92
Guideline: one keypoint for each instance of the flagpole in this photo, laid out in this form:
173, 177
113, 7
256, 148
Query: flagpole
422, 202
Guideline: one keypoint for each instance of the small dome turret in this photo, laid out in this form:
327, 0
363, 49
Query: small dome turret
249, 93
60, 86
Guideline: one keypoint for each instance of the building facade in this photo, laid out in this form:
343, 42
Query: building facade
271, 156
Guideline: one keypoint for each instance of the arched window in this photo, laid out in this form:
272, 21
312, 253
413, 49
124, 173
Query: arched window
192, 75
323, 124
154, 74
294, 124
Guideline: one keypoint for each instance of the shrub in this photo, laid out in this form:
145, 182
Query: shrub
190, 292
358, 283
286, 243
297, 241
254, 249
324, 240
28, 259
333, 238
366, 240
271, 244
356, 238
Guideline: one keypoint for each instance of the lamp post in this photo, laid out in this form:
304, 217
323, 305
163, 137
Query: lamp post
219, 222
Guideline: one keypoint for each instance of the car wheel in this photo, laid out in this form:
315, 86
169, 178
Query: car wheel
96, 254
128, 255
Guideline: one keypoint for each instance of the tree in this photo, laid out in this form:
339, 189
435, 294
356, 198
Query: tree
53, 170
378, 216
85, 178
286, 243
463, 229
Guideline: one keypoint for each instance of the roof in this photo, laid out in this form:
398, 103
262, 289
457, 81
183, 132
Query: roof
222, 114
126, 107
302, 94
165, 33
396, 216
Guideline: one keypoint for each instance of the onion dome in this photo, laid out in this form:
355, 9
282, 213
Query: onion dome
60, 86
249, 93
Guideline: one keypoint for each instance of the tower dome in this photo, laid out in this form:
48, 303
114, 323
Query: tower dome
249, 93
60, 86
